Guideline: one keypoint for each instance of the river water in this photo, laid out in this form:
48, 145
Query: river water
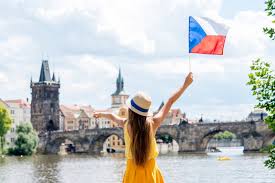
176, 168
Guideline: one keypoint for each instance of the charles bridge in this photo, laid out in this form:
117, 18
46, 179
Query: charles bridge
190, 137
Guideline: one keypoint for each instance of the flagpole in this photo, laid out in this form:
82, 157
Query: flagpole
189, 62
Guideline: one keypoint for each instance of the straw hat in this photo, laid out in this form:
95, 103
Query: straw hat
140, 104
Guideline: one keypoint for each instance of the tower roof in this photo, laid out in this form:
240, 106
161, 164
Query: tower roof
53, 78
119, 85
45, 72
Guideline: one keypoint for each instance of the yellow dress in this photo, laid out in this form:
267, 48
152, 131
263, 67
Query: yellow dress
149, 173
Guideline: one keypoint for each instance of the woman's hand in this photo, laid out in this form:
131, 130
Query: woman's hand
112, 117
161, 115
188, 80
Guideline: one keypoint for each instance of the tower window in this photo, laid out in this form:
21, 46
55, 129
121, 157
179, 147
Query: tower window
52, 107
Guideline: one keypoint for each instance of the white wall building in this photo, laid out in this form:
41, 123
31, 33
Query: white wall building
257, 115
20, 112
77, 117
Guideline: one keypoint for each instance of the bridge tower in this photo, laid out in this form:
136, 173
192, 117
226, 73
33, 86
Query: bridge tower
45, 101
119, 97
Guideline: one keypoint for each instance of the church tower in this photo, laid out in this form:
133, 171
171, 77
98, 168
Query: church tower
119, 97
45, 101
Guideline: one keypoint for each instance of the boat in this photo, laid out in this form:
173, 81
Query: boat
223, 158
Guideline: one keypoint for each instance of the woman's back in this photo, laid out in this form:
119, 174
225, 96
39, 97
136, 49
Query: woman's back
147, 173
153, 153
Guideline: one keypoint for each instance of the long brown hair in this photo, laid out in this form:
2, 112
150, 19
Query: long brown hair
140, 137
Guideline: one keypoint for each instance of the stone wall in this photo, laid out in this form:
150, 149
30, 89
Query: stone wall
190, 137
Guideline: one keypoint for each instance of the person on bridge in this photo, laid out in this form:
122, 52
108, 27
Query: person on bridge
139, 135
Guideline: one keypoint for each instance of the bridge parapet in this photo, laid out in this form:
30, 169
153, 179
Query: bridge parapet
190, 137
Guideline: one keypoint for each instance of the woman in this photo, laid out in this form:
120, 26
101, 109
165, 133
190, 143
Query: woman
139, 135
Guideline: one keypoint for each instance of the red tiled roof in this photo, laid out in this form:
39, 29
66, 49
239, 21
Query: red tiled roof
175, 112
20, 102
71, 110
4, 102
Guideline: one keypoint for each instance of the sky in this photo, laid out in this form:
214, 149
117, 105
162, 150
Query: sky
86, 41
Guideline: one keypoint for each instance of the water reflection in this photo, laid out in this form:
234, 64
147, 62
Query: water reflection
46, 169
109, 168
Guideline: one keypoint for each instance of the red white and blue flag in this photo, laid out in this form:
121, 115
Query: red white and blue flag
206, 36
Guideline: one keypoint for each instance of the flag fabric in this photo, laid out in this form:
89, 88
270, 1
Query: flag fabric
206, 36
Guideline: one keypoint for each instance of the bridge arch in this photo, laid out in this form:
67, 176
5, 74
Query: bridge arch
53, 145
97, 142
208, 136
169, 135
170, 130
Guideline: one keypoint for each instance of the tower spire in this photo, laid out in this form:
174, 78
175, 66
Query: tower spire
119, 83
31, 81
53, 78
45, 72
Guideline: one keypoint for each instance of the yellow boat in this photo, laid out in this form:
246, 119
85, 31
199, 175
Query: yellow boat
223, 158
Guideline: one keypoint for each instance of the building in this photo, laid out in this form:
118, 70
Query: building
119, 97
115, 142
118, 106
48, 115
257, 115
45, 101
78, 117
20, 113
174, 117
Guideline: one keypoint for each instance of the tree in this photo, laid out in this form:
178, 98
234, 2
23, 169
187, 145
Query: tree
224, 135
270, 10
270, 163
26, 141
262, 82
5, 125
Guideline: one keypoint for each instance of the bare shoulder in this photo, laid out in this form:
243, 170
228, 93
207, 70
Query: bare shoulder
152, 123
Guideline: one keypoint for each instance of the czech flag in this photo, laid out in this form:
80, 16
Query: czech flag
206, 36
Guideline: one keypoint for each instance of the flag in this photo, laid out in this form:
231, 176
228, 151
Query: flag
206, 36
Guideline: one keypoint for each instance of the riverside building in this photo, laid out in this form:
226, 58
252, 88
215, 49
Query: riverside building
20, 113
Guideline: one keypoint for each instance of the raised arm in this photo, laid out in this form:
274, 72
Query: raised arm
115, 118
160, 116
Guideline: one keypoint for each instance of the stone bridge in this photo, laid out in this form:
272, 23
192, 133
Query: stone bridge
190, 137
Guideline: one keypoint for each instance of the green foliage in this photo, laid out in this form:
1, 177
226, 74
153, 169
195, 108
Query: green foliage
5, 125
166, 139
262, 82
26, 141
270, 163
270, 10
267, 148
224, 135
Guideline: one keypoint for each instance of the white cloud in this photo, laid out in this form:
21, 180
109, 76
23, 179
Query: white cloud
15, 45
137, 24
87, 40
3, 78
181, 66
246, 35
84, 77
220, 112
